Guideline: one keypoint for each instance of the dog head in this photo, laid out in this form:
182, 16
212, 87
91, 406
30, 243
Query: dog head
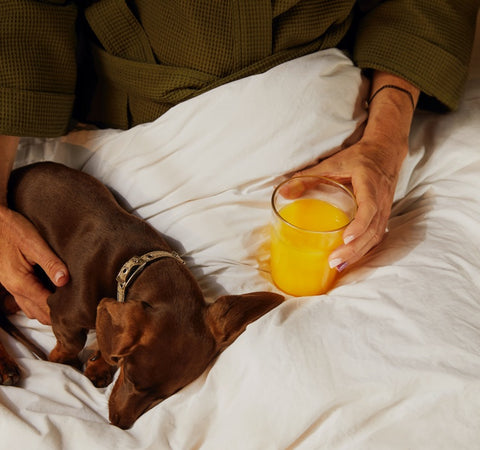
160, 346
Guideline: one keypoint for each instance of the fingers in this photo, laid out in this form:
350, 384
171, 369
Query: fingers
31, 296
21, 248
371, 205
331, 168
368, 228
36, 251
357, 247
373, 190
33, 311
53, 267
33, 300
334, 167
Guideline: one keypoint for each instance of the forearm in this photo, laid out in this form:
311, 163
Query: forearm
8, 150
391, 110
390, 113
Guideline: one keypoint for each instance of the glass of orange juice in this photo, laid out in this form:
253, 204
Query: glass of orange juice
310, 214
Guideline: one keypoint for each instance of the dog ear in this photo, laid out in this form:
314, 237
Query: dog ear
228, 317
117, 327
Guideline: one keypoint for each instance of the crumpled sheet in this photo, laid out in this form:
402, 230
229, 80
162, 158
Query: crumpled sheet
388, 359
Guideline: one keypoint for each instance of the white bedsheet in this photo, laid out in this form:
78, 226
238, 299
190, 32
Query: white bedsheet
389, 359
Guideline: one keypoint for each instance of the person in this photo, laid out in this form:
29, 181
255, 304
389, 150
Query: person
119, 64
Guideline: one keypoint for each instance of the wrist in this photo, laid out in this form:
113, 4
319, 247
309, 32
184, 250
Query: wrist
390, 117
400, 89
386, 133
390, 108
387, 130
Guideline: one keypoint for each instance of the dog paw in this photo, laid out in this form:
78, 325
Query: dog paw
63, 357
98, 371
9, 372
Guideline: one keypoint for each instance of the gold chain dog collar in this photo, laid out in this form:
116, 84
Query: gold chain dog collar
134, 266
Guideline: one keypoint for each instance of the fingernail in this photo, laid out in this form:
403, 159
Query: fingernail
58, 276
334, 263
342, 266
348, 239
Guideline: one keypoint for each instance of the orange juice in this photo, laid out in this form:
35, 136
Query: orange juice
301, 243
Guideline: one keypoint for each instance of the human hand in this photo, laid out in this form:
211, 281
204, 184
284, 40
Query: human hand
21, 248
372, 165
371, 168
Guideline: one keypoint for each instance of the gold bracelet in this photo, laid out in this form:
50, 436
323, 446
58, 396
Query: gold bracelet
391, 86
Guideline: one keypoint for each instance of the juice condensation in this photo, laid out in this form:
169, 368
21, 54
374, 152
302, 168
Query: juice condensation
299, 254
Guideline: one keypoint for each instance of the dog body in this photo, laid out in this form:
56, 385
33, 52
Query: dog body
164, 335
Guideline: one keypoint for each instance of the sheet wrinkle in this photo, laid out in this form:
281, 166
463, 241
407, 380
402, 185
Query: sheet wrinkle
325, 416
385, 360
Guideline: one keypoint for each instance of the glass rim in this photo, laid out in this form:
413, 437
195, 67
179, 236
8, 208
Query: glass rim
324, 179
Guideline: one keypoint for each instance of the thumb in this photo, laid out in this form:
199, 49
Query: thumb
52, 265
300, 181
55, 270
329, 167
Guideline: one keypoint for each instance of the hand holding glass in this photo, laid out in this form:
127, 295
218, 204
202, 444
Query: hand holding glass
310, 215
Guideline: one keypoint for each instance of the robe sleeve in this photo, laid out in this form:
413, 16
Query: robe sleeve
37, 66
426, 42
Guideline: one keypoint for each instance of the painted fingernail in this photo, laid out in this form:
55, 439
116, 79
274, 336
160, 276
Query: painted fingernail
348, 239
342, 266
334, 263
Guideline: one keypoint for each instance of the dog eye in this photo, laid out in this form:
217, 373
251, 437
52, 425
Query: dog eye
146, 305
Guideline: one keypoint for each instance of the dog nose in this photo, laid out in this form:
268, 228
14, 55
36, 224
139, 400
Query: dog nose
116, 419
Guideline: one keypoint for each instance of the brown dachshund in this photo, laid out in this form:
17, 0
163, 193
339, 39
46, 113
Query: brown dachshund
159, 330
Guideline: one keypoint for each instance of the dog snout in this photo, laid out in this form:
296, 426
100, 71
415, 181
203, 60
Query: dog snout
127, 404
126, 420
121, 421
115, 420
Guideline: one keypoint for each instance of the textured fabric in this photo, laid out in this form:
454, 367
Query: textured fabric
426, 42
198, 46
37, 67
149, 55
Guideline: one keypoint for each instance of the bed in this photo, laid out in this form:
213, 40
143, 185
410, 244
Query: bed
388, 359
